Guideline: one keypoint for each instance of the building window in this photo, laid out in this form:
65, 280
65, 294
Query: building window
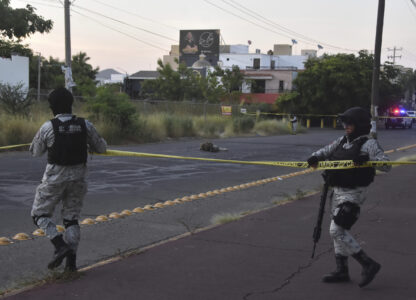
256, 63
272, 64
281, 85
258, 86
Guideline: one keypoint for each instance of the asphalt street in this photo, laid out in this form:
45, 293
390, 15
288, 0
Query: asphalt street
117, 183
264, 256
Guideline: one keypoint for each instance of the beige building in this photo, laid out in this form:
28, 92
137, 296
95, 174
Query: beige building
173, 55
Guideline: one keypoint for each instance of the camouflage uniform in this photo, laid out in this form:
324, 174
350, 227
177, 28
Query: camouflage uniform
61, 183
344, 242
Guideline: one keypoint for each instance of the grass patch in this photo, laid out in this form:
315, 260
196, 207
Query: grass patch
143, 127
225, 218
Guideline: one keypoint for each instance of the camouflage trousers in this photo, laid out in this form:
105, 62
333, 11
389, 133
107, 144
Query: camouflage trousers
48, 195
344, 243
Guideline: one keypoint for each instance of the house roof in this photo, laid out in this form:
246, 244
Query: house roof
106, 74
145, 75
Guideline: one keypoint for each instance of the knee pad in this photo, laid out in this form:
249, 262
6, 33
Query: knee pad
68, 223
346, 214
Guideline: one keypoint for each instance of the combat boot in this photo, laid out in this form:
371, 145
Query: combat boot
71, 262
370, 268
61, 251
341, 272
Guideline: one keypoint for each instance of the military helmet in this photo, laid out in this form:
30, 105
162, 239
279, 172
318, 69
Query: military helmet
60, 101
357, 116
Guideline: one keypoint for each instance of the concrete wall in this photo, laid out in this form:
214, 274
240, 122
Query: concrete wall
282, 49
246, 60
309, 52
170, 59
15, 70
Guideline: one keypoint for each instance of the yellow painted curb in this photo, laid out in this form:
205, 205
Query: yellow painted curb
177, 201
38, 232
210, 194
138, 210
148, 207
216, 192
159, 205
101, 218
194, 197
202, 195
5, 241
169, 203
60, 228
186, 199
236, 187
88, 221
126, 212
114, 215
21, 236
230, 189
223, 190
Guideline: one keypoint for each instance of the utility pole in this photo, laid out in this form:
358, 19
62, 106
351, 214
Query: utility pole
68, 72
394, 54
39, 65
376, 68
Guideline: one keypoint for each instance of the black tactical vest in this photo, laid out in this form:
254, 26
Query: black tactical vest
349, 178
70, 146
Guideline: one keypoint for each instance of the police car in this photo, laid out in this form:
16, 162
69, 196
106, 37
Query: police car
412, 113
398, 117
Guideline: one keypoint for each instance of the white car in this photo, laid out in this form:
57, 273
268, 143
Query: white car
412, 113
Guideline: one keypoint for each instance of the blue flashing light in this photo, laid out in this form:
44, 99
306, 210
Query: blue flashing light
402, 111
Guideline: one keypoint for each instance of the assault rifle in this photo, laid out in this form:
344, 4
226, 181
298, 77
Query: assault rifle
318, 227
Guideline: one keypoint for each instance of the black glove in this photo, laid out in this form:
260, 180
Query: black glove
312, 161
361, 158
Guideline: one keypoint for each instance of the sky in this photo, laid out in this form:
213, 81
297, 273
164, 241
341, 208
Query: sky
130, 36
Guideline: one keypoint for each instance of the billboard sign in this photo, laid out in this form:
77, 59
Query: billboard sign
193, 43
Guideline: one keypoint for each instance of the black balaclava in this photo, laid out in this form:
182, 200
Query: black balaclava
60, 101
360, 118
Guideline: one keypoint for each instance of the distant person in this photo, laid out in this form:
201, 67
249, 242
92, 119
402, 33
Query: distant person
67, 140
294, 123
349, 187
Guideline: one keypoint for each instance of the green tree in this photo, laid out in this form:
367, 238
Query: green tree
84, 75
332, 83
53, 77
17, 24
111, 106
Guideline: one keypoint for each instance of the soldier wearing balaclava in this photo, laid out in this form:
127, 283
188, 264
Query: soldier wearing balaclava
67, 139
349, 188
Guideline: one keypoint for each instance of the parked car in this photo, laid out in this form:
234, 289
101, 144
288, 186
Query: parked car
398, 118
412, 113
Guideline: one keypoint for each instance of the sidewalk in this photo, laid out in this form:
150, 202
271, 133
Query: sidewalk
266, 256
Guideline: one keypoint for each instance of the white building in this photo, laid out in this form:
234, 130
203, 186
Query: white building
15, 70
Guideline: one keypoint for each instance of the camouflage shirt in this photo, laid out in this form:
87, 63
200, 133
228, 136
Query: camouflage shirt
45, 138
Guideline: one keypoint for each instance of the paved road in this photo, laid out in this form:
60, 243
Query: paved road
120, 183
266, 256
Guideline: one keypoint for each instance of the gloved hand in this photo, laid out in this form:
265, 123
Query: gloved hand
313, 161
361, 158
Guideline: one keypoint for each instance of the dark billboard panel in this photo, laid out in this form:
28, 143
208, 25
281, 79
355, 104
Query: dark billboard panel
193, 43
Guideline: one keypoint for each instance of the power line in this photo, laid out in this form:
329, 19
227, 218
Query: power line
119, 31
125, 23
291, 31
136, 15
259, 17
268, 22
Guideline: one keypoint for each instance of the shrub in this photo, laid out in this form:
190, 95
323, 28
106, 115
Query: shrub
109, 105
243, 124
14, 99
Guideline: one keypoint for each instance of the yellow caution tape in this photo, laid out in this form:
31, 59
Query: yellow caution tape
323, 165
13, 146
